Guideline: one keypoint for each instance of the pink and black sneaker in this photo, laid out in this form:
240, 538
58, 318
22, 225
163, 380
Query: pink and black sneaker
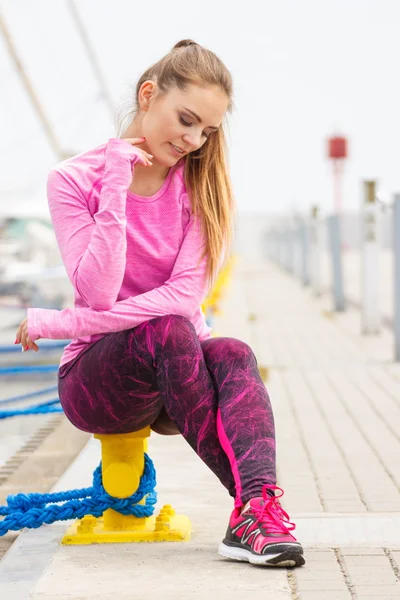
261, 534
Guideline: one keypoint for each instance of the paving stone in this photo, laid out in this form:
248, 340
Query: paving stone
366, 561
310, 573
362, 551
320, 584
362, 576
396, 556
320, 555
378, 592
327, 595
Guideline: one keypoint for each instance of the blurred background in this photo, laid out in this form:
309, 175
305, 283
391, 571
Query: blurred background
303, 72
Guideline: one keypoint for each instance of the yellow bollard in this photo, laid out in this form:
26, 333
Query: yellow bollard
264, 373
211, 304
122, 468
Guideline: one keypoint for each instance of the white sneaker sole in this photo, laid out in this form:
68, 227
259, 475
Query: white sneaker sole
288, 558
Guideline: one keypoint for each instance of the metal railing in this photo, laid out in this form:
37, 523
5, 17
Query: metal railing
313, 249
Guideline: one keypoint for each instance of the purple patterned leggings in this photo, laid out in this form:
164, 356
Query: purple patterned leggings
211, 390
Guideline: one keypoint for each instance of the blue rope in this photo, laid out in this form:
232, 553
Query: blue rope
30, 395
11, 348
38, 409
32, 510
42, 408
28, 369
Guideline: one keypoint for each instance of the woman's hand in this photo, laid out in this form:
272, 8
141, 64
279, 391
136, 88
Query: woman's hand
23, 338
145, 156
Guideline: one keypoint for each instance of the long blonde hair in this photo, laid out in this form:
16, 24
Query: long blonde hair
206, 171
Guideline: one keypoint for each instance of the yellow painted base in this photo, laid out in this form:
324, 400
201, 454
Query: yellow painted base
264, 373
329, 314
167, 527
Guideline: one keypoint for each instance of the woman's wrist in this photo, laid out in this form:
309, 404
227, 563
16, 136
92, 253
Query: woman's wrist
118, 148
42, 323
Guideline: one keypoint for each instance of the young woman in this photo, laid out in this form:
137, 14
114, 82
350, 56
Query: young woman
143, 223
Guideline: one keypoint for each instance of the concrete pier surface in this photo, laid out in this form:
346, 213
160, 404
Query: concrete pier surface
336, 399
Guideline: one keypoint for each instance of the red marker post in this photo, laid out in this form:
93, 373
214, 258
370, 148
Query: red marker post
337, 152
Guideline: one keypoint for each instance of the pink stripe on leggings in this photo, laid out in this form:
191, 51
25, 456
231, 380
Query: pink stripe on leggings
226, 445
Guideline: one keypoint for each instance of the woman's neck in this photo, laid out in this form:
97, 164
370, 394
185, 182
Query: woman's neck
156, 172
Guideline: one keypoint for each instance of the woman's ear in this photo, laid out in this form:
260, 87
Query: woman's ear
147, 94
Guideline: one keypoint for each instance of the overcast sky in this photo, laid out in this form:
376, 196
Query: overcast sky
302, 69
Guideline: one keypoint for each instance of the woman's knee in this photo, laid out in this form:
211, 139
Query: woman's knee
228, 349
241, 352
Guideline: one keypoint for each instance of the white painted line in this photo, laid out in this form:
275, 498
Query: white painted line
335, 530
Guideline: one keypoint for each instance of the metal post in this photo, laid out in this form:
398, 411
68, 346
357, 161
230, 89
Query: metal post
267, 241
269, 245
336, 255
287, 247
284, 249
278, 248
305, 253
396, 262
315, 251
298, 250
370, 317
292, 249
295, 250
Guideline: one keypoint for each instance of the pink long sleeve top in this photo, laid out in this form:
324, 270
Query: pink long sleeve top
129, 258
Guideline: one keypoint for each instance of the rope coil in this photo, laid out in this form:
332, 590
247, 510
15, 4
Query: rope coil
33, 510
52, 406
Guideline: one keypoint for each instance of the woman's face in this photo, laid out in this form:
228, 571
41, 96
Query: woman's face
181, 119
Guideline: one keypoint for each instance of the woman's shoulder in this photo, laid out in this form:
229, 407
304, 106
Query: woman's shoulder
81, 171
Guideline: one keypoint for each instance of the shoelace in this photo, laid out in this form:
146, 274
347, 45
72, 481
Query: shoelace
272, 515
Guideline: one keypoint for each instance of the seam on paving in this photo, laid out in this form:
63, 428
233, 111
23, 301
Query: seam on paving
364, 436
373, 407
336, 443
292, 581
393, 562
391, 375
345, 573
304, 444
378, 383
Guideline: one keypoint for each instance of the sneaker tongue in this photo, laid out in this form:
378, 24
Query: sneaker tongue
253, 503
257, 502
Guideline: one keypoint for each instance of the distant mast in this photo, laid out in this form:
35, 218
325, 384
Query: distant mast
101, 80
38, 108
